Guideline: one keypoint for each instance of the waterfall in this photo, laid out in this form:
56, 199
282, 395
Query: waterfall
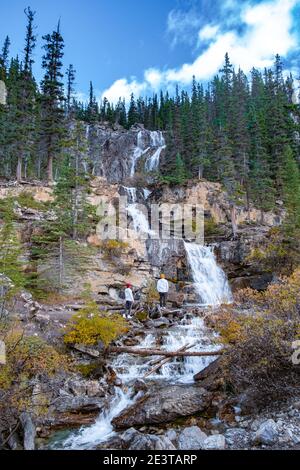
158, 142
138, 152
210, 281
157, 145
129, 368
139, 218
102, 429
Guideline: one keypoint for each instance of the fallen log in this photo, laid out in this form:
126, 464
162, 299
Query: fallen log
160, 362
159, 352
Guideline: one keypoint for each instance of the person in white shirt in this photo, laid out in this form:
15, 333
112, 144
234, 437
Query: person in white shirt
129, 299
162, 289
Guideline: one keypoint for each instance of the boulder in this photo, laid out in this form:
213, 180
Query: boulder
191, 438
215, 442
29, 431
135, 440
164, 405
81, 404
267, 433
171, 434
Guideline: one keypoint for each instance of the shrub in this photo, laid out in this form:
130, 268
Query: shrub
26, 199
88, 327
152, 296
26, 357
278, 253
142, 316
112, 248
211, 228
259, 345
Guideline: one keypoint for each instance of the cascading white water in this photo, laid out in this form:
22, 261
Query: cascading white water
138, 152
102, 429
158, 142
130, 368
210, 281
139, 217
157, 145
131, 194
182, 370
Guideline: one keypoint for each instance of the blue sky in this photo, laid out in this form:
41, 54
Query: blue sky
138, 46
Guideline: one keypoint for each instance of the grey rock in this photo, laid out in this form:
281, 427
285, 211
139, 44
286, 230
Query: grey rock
29, 431
236, 437
171, 434
135, 440
191, 438
163, 406
267, 433
82, 404
216, 442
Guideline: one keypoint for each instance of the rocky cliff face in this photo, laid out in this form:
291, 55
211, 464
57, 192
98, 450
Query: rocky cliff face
118, 154
141, 261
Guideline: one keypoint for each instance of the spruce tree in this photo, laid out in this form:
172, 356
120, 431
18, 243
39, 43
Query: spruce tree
52, 112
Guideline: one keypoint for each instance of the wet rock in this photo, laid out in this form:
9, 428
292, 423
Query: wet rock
81, 404
215, 442
211, 376
165, 405
140, 386
191, 438
267, 433
29, 431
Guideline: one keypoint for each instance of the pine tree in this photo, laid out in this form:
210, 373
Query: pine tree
4, 59
132, 112
70, 73
52, 99
291, 190
25, 106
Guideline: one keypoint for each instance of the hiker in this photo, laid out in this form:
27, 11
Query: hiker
129, 299
162, 289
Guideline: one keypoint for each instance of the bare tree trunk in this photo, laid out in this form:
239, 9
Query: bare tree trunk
159, 352
61, 262
200, 172
19, 168
50, 168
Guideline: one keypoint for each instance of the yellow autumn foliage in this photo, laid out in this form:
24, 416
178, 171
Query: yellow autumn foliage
26, 357
88, 326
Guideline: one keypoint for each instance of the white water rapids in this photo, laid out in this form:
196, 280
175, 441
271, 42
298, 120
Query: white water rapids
130, 368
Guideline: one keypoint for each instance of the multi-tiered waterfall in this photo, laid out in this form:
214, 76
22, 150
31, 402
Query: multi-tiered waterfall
212, 288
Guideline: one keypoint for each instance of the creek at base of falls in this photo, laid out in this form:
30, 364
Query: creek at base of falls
131, 368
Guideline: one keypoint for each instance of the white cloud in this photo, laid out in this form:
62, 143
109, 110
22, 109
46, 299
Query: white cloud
123, 88
267, 31
182, 25
208, 32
